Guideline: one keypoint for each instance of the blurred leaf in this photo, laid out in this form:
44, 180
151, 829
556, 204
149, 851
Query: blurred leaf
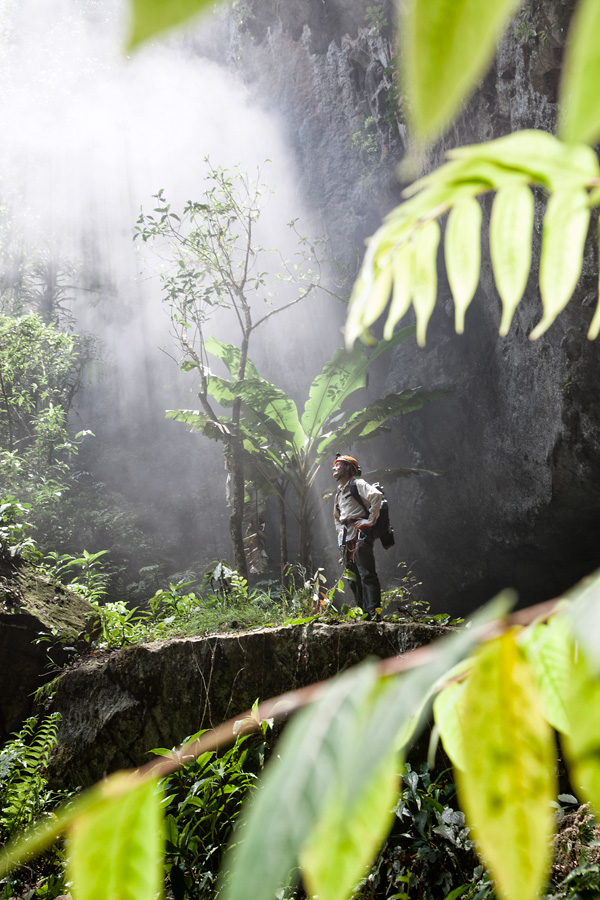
548, 647
582, 744
349, 833
463, 254
283, 812
579, 96
511, 228
508, 780
594, 329
115, 849
425, 277
338, 748
563, 240
446, 48
447, 709
152, 17
584, 613
535, 154
402, 266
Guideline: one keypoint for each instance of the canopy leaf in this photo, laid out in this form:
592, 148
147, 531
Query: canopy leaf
463, 255
579, 96
446, 48
511, 228
406, 243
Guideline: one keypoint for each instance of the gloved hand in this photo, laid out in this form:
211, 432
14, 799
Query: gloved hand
363, 526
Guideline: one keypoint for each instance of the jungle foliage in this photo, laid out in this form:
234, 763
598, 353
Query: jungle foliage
216, 266
505, 685
285, 449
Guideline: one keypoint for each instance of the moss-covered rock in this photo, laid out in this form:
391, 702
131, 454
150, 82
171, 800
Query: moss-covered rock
31, 605
117, 707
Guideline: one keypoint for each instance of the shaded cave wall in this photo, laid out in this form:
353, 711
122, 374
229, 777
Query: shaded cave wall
518, 501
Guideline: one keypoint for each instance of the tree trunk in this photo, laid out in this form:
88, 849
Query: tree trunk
306, 555
235, 466
283, 548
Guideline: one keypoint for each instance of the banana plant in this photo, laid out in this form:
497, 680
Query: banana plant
285, 449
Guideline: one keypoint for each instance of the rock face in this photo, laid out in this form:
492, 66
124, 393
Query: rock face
517, 441
117, 707
29, 606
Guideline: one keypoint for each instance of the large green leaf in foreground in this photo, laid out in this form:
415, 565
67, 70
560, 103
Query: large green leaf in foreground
116, 844
580, 97
508, 781
582, 745
334, 776
446, 48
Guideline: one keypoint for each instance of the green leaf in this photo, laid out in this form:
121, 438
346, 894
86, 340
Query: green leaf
447, 709
594, 329
283, 812
152, 17
200, 422
446, 48
231, 356
362, 315
537, 155
511, 228
402, 265
425, 277
115, 847
563, 240
337, 750
272, 408
582, 744
365, 423
548, 648
345, 373
584, 613
508, 780
349, 832
579, 97
463, 254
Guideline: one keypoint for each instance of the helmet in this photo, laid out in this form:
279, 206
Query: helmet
352, 463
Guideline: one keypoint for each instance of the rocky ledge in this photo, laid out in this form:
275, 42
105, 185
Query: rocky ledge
117, 706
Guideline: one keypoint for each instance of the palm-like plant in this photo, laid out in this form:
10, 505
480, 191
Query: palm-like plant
285, 450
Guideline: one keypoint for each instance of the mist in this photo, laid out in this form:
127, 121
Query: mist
89, 136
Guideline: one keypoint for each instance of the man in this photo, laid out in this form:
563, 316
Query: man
355, 511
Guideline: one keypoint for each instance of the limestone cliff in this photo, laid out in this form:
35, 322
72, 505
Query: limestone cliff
517, 440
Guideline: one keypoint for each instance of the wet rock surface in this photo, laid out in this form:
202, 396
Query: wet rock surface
517, 441
118, 706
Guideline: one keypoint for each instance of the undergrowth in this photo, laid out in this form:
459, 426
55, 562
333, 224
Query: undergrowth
25, 798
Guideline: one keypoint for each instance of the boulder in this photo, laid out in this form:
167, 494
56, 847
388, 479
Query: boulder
32, 605
118, 706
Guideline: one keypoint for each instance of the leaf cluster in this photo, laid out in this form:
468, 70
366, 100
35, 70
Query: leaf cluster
285, 447
203, 800
402, 255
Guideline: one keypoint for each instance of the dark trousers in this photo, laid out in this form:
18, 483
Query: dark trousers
365, 583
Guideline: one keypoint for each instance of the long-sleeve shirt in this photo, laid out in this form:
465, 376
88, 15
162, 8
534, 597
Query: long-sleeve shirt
348, 511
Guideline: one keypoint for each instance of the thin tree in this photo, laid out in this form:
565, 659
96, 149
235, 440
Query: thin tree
214, 263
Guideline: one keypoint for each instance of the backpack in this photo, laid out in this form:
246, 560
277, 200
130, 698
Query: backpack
382, 528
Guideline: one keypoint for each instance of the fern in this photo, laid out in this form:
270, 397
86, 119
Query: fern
24, 793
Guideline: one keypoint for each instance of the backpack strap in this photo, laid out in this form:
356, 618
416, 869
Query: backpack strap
354, 491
